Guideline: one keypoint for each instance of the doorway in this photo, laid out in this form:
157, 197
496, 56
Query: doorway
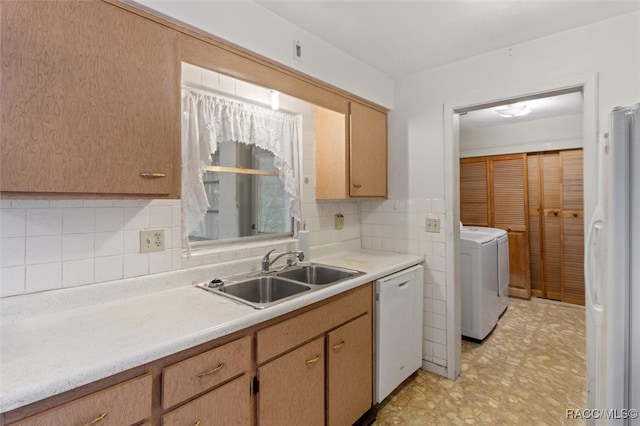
587, 85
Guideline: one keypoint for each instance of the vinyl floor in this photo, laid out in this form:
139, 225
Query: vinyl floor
529, 371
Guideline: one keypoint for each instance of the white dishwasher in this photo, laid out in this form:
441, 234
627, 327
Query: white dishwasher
398, 328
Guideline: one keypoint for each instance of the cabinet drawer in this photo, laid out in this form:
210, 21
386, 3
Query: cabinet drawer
194, 375
123, 404
283, 336
226, 405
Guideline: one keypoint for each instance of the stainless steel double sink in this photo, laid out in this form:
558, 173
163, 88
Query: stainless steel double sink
268, 289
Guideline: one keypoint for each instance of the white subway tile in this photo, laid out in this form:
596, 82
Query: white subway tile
78, 246
12, 251
44, 221
29, 204
135, 265
160, 217
176, 259
427, 348
427, 333
439, 361
176, 237
439, 350
13, 223
136, 217
45, 276
66, 203
131, 241
439, 321
176, 216
439, 307
210, 79
78, 220
160, 261
437, 205
439, 336
227, 84
77, 272
98, 203
129, 203
109, 243
424, 206
108, 268
109, 219
12, 281
5, 204
43, 249
191, 74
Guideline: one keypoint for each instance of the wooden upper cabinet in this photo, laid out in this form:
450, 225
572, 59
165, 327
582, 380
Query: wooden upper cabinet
90, 100
351, 153
368, 153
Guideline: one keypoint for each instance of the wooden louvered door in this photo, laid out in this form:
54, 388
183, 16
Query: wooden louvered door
556, 237
474, 191
552, 224
572, 259
509, 204
535, 224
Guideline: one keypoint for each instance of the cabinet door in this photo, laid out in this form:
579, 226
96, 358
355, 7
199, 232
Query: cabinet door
332, 155
90, 100
349, 371
368, 152
292, 388
535, 224
230, 404
552, 224
510, 212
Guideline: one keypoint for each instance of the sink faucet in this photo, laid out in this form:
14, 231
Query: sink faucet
266, 262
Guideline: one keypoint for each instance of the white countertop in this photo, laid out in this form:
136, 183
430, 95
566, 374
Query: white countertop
46, 349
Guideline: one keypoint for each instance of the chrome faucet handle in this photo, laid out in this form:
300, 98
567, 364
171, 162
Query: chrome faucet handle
266, 261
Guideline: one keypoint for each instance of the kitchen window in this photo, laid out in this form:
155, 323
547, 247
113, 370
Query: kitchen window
239, 171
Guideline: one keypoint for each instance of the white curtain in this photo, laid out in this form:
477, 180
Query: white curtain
207, 121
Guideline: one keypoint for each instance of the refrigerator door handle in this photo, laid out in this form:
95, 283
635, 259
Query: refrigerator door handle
594, 267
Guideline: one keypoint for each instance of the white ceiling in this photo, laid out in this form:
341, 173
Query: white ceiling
399, 37
547, 107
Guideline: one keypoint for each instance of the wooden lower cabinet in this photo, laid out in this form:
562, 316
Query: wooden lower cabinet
230, 404
349, 367
123, 404
292, 387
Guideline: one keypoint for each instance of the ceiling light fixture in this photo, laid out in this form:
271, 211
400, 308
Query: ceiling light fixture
513, 110
275, 100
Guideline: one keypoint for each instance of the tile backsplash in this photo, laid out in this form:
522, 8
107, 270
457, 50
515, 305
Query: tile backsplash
399, 225
47, 245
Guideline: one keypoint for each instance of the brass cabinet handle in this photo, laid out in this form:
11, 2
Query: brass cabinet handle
197, 423
98, 419
312, 360
152, 175
215, 370
357, 185
338, 346
555, 212
575, 214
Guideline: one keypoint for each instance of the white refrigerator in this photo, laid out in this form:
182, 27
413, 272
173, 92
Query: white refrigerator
612, 271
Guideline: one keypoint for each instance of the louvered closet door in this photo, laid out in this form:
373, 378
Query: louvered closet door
510, 212
572, 228
474, 191
535, 224
552, 224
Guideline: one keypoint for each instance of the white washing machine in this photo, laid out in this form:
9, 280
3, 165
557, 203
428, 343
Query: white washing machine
503, 262
479, 260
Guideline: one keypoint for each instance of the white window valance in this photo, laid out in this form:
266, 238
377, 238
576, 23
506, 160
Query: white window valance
208, 121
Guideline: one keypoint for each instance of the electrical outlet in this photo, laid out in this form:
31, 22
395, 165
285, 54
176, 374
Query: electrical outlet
432, 224
339, 221
151, 240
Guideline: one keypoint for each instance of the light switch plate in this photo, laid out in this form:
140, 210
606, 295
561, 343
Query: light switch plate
151, 240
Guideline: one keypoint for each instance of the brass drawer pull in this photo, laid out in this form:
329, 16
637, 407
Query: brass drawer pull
197, 423
357, 185
215, 370
98, 419
338, 346
312, 360
153, 175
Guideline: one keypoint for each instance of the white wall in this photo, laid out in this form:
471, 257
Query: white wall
609, 48
253, 27
422, 167
547, 134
